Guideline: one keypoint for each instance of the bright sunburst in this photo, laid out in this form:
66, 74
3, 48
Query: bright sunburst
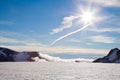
87, 17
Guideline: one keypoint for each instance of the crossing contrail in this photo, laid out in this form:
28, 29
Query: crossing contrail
62, 37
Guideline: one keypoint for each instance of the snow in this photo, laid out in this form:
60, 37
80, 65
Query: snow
58, 71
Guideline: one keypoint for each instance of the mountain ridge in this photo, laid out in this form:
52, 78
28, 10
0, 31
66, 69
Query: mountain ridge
112, 57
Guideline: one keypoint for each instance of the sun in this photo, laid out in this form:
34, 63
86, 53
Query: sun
87, 17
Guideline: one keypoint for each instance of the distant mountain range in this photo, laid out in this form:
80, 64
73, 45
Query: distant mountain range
8, 55
112, 57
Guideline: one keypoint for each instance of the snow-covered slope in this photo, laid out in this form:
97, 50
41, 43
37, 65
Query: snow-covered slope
112, 57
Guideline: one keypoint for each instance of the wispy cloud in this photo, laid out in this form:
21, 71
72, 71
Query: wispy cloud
106, 3
7, 23
59, 49
106, 30
71, 33
71, 21
32, 45
75, 20
18, 42
8, 40
74, 40
102, 39
66, 23
14, 38
114, 20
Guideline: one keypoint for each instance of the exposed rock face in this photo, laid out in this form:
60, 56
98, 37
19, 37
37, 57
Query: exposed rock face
6, 54
9, 55
112, 57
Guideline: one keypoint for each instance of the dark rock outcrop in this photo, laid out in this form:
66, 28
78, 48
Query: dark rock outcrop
112, 57
6, 54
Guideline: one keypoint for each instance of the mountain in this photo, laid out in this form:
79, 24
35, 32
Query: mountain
6, 54
112, 57
9, 55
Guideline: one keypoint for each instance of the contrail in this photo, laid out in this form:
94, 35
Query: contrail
62, 37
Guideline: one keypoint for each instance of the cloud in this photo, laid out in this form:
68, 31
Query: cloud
102, 39
59, 49
106, 30
8, 40
74, 40
76, 20
33, 45
114, 20
8, 37
70, 21
66, 23
6, 23
9, 33
106, 3
58, 59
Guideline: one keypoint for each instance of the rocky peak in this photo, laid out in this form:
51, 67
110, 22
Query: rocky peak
112, 57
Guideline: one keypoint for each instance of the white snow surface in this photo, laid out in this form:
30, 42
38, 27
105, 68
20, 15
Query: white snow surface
58, 71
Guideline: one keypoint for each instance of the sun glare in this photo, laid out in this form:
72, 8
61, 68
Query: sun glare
87, 17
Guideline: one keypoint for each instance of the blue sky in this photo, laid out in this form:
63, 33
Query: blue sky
35, 24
